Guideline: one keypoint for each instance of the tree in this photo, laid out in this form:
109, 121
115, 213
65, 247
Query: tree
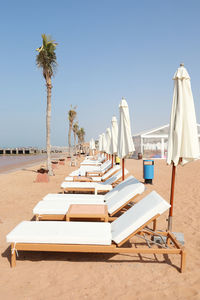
81, 135
71, 117
46, 60
75, 130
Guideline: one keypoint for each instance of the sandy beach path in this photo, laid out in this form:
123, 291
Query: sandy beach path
42, 276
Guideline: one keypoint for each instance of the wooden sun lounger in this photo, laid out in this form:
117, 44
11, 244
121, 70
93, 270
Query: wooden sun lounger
100, 237
64, 217
173, 246
86, 178
93, 187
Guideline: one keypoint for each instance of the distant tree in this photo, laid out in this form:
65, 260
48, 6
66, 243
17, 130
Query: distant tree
81, 135
75, 130
71, 117
46, 60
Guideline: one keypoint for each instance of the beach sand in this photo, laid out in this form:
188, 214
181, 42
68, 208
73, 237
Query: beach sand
42, 276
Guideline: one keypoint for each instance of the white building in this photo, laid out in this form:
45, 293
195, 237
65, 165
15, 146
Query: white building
153, 143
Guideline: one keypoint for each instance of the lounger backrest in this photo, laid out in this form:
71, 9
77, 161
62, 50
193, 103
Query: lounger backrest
106, 165
111, 171
133, 188
117, 188
115, 177
138, 215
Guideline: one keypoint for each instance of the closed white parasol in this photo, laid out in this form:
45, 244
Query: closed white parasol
125, 141
183, 144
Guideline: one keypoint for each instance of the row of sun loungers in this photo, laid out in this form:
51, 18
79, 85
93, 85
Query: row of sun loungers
125, 219
56, 206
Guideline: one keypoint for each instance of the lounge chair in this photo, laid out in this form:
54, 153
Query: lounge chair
93, 162
103, 178
96, 169
92, 197
96, 187
99, 237
58, 209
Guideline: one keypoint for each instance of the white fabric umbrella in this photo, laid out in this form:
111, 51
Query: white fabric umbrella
103, 142
92, 144
125, 141
108, 141
100, 143
114, 135
183, 136
183, 145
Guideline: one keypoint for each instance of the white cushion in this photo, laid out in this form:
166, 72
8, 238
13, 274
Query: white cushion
55, 232
51, 207
125, 194
73, 197
110, 172
86, 185
138, 215
117, 188
59, 207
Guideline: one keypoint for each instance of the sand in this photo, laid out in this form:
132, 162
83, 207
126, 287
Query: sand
99, 276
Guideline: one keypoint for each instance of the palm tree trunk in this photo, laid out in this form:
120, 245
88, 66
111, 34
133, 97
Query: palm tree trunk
69, 138
48, 130
75, 141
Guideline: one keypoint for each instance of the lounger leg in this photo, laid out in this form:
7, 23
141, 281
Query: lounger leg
106, 218
183, 255
13, 256
154, 225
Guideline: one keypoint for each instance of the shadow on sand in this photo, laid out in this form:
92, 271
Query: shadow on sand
35, 256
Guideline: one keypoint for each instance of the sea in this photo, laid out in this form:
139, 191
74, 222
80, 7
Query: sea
10, 163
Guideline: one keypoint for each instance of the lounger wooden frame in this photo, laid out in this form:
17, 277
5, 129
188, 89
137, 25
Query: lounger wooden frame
83, 190
55, 217
92, 189
97, 173
173, 246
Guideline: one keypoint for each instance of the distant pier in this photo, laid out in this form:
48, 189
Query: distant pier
16, 151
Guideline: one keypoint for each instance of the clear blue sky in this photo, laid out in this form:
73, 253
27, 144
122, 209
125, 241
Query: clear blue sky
107, 49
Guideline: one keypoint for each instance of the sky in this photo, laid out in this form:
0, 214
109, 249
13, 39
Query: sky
106, 50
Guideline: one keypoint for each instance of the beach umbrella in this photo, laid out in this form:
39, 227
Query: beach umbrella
183, 145
92, 145
100, 143
108, 141
114, 136
125, 141
103, 142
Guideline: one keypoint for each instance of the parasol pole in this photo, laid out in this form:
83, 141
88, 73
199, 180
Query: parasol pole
122, 169
112, 161
172, 198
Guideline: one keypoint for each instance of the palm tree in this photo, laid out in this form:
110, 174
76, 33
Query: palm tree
75, 130
71, 117
46, 59
81, 135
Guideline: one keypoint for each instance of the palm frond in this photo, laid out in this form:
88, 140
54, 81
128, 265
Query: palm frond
46, 58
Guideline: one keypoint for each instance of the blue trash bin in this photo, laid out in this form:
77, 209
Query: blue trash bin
148, 170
